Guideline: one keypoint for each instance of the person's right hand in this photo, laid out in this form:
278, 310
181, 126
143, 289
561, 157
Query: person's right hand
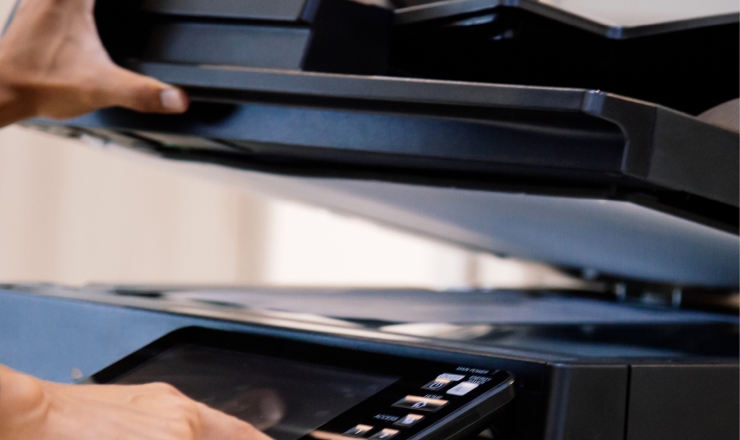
53, 64
31, 409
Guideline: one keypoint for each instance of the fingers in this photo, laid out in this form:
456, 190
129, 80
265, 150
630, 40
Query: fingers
123, 88
219, 426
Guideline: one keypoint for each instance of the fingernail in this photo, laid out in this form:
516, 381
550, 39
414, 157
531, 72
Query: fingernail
174, 100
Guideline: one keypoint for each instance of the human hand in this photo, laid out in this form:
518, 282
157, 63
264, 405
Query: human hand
53, 64
31, 409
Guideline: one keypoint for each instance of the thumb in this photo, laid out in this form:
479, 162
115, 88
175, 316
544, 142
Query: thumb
124, 88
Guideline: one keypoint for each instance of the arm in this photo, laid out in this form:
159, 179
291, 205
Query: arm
53, 64
31, 409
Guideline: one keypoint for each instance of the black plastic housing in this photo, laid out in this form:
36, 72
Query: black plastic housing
339, 36
691, 395
691, 69
446, 134
485, 136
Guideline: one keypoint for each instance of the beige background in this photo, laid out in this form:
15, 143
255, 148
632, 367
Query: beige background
73, 213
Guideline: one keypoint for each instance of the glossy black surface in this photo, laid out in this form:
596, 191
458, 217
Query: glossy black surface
274, 10
688, 70
551, 323
339, 36
597, 341
561, 325
294, 389
283, 398
500, 138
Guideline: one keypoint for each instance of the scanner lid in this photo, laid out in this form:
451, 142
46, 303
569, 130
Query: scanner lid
614, 19
567, 174
575, 178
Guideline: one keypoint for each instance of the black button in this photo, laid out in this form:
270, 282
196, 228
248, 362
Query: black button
462, 389
451, 377
409, 420
436, 385
386, 434
359, 431
420, 403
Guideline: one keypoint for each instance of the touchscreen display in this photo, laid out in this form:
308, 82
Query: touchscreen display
286, 399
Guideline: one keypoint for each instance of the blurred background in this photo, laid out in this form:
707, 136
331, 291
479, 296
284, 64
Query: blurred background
74, 214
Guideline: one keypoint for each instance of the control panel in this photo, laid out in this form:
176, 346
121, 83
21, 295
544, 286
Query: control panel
414, 404
316, 392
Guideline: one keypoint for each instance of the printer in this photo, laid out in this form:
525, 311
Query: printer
600, 138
